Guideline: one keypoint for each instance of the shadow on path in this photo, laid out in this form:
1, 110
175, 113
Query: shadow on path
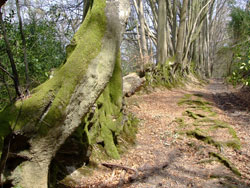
186, 179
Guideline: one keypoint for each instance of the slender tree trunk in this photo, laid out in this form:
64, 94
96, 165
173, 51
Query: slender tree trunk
169, 25
181, 34
207, 48
192, 36
155, 11
140, 48
174, 33
142, 31
200, 64
24, 46
10, 55
203, 61
141, 34
169, 41
195, 55
162, 49
4, 70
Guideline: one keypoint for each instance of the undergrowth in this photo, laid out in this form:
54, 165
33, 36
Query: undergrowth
160, 75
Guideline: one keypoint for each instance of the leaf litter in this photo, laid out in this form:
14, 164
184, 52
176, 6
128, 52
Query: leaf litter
166, 156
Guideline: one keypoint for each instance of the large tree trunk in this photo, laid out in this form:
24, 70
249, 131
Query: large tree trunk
57, 107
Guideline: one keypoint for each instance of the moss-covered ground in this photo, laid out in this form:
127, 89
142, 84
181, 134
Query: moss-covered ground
203, 125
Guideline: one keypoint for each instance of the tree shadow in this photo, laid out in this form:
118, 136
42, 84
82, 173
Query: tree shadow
186, 177
229, 102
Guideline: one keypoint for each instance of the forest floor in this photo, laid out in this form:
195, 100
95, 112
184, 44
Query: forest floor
193, 137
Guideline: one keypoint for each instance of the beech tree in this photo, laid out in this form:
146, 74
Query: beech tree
162, 51
34, 128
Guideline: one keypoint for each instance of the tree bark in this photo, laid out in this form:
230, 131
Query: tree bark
162, 49
174, 28
142, 37
57, 107
181, 33
142, 31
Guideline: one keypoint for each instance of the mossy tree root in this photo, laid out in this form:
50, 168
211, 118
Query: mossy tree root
201, 136
225, 162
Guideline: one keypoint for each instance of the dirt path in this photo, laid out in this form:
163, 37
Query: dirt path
197, 137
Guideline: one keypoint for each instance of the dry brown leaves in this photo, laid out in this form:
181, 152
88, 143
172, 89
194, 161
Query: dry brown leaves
164, 158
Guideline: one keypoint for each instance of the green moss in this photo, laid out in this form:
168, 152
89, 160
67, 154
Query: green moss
193, 115
55, 94
225, 162
128, 134
109, 144
105, 124
70, 48
233, 144
197, 133
207, 109
205, 125
187, 96
88, 41
103, 128
181, 122
161, 75
217, 124
205, 161
71, 181
98, 154
109, 112
197, 102
213, 124
198, 95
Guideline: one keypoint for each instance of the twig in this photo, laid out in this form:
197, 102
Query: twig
113, 166
5, 71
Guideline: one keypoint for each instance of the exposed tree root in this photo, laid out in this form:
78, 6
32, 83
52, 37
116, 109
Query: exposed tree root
207, 139
193, 114
181, 122
188, 101
225, 162
200, 120
113, 166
